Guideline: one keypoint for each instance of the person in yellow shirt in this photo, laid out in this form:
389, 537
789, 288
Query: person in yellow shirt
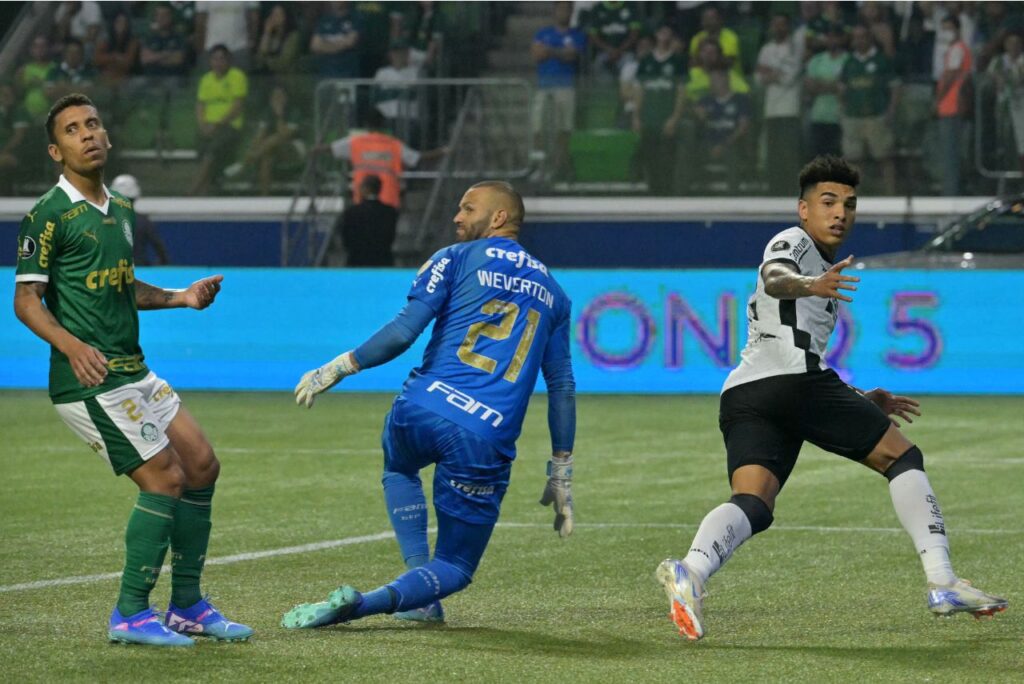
710, 58
219, 112
713, 28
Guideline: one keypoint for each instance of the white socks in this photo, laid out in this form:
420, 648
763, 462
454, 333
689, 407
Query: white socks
920, 515
720, 533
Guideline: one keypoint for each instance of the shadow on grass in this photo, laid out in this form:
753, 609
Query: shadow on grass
496, 640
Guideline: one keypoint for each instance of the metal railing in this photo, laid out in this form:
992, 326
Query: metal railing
995, 146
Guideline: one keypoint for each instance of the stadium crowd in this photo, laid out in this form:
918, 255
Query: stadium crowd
706, 96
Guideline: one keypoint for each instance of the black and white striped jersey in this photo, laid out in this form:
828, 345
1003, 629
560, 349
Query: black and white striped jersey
786, 336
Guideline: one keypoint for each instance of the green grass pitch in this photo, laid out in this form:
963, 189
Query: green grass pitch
833, 592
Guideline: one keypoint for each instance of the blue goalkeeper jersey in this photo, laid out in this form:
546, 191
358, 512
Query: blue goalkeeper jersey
500, 316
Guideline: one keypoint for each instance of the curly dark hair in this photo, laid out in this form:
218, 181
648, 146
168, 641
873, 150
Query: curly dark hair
828, 169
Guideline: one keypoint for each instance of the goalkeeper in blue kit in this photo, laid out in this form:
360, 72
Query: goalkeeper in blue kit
499, 318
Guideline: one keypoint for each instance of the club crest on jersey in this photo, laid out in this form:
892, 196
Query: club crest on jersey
780, 246
126, 228
27, 248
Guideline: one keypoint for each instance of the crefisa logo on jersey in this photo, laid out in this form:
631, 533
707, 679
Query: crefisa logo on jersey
127, 229
27, 248
437, 274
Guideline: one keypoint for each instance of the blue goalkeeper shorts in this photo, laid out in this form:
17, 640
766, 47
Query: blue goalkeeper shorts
470, 477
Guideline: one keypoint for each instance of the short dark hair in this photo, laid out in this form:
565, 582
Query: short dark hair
952, 19
221, 47
70, 100
370, 185
517, 210
828, 168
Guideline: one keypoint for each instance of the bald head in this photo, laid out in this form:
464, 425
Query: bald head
501, 195
489, 208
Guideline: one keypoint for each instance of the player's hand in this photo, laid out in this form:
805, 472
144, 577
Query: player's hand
201, 293
88, 364
894, 405
558, 491
829, 283
324, 378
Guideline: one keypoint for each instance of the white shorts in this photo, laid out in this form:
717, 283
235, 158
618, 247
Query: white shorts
127, 425
554, 106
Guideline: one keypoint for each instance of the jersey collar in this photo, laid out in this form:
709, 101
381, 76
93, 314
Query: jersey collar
75, 196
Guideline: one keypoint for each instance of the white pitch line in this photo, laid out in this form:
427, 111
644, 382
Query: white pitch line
381, 536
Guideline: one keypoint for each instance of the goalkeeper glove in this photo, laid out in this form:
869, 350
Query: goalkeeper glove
324, 378
558, 491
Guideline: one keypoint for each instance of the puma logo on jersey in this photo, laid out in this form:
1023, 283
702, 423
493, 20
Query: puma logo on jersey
31, 216
91, 235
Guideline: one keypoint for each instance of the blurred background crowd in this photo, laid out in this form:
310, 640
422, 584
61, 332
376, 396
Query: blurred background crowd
665, 98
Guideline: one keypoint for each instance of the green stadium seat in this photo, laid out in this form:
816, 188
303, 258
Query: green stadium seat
602, 154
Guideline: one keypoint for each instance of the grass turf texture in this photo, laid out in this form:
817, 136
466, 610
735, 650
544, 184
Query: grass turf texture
833, 592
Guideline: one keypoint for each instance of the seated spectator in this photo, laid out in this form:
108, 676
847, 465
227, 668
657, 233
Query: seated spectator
219, 112
424, 31
164, 47
73, 74
14, 127
556, 51
778, 72
1007, 73
31, 78
660, 101
713, 28
232, 24
279, 43
277, 146
82, 21
335, 43
613, 28
118, 51
869, 95
725, 118
148, 249
822, 84
710, 58
367, 229
395, 97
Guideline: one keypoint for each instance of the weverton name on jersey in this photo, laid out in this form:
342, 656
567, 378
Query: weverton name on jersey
502, 281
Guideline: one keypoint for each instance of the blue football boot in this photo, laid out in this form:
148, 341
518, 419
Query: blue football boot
143, 628
204, 620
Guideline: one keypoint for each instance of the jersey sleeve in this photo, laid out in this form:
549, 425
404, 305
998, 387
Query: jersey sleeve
37, 246
433, 282
789, 246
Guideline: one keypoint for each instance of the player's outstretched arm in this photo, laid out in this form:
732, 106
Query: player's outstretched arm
87, 362
198, 295
557, 370
387, 343
894, 405
782, 280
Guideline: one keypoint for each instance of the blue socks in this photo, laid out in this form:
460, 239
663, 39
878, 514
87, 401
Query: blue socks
407, 509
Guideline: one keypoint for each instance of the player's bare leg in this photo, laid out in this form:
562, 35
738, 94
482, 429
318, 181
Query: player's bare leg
189, 612
722, 531
918, 510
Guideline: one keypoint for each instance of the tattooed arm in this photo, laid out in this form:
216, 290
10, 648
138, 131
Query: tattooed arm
783, 281
87, 362
198, 295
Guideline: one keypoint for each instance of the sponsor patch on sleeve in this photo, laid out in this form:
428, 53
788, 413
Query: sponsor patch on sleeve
780, 246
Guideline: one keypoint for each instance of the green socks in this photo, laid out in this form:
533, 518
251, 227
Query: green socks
190, 536
145, 540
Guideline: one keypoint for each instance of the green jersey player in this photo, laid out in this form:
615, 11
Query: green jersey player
76, 289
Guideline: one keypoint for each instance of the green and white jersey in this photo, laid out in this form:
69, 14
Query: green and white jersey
83, 252
659, 79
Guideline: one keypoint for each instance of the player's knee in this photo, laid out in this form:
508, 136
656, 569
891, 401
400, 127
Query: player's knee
756, 510
912, 459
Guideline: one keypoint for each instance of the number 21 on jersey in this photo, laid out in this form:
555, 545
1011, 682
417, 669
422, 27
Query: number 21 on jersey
509, 313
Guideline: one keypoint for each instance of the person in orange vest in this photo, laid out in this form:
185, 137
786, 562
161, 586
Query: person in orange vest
951, 105
378, 153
